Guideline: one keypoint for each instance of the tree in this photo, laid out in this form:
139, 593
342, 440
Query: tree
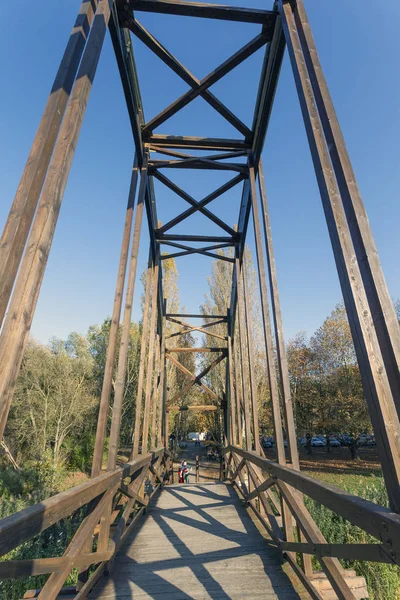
54, 398
217, 301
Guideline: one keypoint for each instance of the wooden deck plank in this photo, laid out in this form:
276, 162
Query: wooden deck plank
196, 542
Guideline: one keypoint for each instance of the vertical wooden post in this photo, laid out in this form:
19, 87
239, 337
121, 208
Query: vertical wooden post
250, 353
231, 395
21, 215
154, 399
280, 348
242, 350
150, 360
143, 348
277, 318
113, 335
236, 360
161, 404
18, 322
378, 389
381, 306
273, 385
126, 325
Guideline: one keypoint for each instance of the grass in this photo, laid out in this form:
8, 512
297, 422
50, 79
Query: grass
383, 580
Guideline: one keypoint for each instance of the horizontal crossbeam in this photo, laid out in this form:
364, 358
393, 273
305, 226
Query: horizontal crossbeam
207, 407
208, 11
201, 350
193, 316
193, 142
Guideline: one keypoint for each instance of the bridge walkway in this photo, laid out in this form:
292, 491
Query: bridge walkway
196, 542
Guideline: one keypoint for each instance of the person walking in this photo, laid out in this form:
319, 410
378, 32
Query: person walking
186, 472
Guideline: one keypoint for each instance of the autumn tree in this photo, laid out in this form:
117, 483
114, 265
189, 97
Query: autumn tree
54, 398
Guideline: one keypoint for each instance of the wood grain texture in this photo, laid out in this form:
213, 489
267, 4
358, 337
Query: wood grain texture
197, 541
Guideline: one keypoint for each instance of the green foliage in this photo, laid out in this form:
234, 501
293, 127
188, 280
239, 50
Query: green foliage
50, 543
325, 380
383, 580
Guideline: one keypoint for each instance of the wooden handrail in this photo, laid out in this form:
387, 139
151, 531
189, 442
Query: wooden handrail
376, 520
25, 524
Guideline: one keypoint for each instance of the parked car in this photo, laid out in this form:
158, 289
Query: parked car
322, 438
344, 439
182, 445
334, 442
266, 443
317, 442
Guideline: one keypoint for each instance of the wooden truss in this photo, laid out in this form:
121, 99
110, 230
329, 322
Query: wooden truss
269, 487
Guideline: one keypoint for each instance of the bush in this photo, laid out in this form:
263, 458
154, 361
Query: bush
383, 580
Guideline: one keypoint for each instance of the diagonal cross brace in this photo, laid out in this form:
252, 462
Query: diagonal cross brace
158, 49
197, 206
187, 372
227, 66
199, 376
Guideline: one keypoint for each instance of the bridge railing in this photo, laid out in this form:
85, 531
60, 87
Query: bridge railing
267, 486
114, 502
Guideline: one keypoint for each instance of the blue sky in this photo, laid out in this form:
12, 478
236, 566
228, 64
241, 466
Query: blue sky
358, 45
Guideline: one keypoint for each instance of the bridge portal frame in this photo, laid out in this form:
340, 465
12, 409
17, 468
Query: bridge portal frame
27, 240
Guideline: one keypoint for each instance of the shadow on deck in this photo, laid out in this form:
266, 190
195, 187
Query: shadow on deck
197, 542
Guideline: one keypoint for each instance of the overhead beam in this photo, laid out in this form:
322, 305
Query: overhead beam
192, 316
193, 142
194, 238
206, 407
203, 349
187, 372
207, 11
227, 66
163, 54
196, 206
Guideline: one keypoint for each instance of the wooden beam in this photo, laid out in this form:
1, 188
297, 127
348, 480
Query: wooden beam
122, 45
196, 206
150, 360
377, 520
21, 215
277, 318
193, 328
360, 552
250, 355
266, 93
194, 238
113, 335
377, 388
193, 407
194, 316
203, 373
126, 325
187, 372
143, 351
151, 42
242, 352
265, 485
16, 327
227, 66
203, 349
201, 143
331, 566
196, 163
381, 305
208, 11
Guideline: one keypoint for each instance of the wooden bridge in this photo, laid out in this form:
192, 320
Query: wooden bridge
140, 535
